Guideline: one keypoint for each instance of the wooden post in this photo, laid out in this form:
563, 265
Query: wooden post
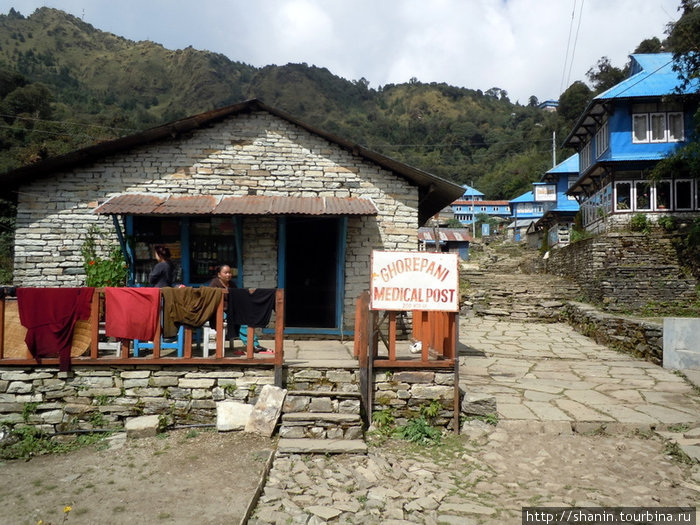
392, 336
2, 327
279, 336
95, 323
220, 336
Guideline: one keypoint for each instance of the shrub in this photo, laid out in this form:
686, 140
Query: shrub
99, 271
639, 223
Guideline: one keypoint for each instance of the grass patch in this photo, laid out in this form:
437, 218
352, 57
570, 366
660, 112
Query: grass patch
26, 442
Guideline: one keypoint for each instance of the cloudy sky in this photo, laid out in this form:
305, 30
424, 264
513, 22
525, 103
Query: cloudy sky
525, 47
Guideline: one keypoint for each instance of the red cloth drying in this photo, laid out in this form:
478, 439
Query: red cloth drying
132, 313
49, 315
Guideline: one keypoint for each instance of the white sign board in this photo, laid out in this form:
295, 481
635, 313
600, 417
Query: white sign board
415, 281
545, 192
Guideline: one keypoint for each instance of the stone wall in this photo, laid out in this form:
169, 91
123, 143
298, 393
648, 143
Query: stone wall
89, 397
403, 393
624, 270
640, 338
249, 154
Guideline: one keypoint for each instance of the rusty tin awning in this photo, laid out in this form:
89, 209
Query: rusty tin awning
150, 204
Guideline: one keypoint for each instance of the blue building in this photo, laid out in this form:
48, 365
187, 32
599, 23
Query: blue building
525, 211
559, 208
473, 204
623, 133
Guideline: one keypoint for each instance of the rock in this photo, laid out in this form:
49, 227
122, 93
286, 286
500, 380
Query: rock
142, 426
232, 415
266, 412
476, 404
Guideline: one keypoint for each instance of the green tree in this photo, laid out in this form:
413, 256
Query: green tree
604, 75
573, 102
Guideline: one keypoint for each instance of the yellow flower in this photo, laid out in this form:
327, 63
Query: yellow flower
67, 509
40, 522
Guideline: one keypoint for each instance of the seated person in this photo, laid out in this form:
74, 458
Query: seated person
224, 280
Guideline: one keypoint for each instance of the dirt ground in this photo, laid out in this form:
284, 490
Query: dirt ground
193, 476
203, 477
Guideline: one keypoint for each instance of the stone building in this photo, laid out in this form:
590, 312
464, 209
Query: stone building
286, 205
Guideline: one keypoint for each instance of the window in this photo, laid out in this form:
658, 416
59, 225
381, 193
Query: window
675, 127
585, 157
658, 126
602, 139
642, 195
639, 128
663, 195
684, 195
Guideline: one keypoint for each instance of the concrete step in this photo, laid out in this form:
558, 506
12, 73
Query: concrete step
321, 446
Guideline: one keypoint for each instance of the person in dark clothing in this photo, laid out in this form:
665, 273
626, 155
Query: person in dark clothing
163, 273
224, 279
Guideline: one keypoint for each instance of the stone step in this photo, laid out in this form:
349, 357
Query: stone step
316, 402
324, 393
321, 446
317, 417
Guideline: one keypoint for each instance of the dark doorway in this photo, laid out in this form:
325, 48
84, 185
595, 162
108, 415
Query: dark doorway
311, 262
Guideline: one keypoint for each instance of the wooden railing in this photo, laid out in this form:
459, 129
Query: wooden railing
436, 332
98, 352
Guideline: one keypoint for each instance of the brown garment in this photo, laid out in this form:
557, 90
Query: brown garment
190, 306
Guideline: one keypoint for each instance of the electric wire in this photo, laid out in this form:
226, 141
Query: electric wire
568, 45
573, 51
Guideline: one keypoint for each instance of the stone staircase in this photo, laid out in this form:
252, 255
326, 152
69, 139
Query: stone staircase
320, 418
501, 288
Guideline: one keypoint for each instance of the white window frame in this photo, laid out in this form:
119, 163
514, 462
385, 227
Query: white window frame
664, 128
645, 117
585, 157
629, 209
670, 196
602, 141
676, 193
671, 137
652, 196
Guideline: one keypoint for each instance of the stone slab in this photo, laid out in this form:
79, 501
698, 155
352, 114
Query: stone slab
232, 415
322, 446
266, 411
681, 349
141, 427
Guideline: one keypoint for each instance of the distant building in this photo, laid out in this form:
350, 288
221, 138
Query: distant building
466, 211
451, 240
559, 212
525, 211
549, 105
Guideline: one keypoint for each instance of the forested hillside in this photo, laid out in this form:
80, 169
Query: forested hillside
65, 84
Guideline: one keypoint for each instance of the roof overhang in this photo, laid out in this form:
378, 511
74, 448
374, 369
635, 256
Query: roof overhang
150, 204
434, 193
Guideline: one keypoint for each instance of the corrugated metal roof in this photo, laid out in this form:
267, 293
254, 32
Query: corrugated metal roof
480, 203
445, 234
569, 165
525, 197
140, 204
652, 75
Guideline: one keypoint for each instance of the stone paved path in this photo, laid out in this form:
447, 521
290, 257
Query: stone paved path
549, 373
575, 429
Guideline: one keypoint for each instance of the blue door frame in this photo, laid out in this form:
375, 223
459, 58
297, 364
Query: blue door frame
339, 273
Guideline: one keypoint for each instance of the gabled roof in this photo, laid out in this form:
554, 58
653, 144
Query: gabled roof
471, 192
434, 192
651, 75
569, 165
525, 197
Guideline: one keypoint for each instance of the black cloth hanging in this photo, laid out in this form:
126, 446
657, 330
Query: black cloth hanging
250, 308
